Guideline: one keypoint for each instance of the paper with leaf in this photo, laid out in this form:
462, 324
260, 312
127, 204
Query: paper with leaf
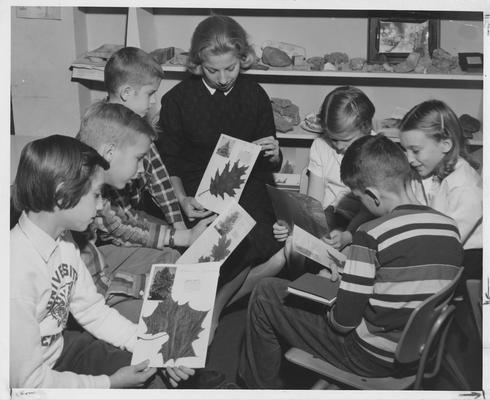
220, 238
317, 250
293, 208
175, 319
227, 173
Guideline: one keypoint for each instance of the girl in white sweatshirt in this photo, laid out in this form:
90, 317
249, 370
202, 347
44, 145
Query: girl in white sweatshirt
57, 188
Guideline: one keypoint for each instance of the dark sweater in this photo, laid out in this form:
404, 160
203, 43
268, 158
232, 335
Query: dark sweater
191, 121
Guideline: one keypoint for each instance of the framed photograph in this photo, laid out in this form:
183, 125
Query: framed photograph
393, 39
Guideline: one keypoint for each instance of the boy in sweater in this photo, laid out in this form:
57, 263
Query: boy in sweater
58, 189
123, 139
394, 263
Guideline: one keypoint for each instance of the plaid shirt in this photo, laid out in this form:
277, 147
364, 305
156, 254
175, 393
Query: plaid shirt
155, 179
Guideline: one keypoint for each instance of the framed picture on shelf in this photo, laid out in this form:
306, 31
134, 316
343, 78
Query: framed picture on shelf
392, 39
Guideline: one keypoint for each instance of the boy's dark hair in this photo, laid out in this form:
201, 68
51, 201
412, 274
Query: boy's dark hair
54, 171
105, 122
132, 66
346, 108
375, 161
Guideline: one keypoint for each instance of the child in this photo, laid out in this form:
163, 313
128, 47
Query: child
345, 115
217, 99
57, 188
373, 304
435, 146
132, 77
123, 139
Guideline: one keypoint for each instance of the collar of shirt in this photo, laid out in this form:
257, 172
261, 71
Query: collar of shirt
213, 90
44, 244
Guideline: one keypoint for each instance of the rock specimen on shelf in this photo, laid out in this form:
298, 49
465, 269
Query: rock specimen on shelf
409, 64
469, 124
336, 58
442, 62
275, 57
316, 63
357, 63
329, 67
286, 114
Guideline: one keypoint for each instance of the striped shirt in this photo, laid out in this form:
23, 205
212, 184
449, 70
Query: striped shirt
155, 179
395, 262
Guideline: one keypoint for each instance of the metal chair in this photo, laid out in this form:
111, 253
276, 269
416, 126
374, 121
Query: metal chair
421, 344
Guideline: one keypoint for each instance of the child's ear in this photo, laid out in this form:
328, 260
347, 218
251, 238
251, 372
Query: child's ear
107, 151
124, 92
374, 194
447, 145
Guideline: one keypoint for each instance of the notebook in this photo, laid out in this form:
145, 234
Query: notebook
315, 287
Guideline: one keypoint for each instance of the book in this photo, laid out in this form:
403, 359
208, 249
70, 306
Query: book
297, 209
317, 250
227, 173
315, 287
175, 319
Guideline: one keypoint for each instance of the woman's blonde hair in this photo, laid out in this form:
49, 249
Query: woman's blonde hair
216, 35
436, 119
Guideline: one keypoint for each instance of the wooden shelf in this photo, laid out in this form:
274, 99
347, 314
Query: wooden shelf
392, 79
462, 81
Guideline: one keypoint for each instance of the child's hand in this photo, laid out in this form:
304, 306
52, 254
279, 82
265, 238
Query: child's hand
200, 227
132, 375
339, 239
270, 147
193, 209
333, 275
280, 231
176, 374
179, 226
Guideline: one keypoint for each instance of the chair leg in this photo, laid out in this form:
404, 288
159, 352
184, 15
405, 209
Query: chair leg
453, 369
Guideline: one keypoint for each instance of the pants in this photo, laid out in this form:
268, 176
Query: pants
277, 321
84, 354
136, 260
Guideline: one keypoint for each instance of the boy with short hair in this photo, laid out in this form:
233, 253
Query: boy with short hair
132, 77
394, 263
57, 188
123, 139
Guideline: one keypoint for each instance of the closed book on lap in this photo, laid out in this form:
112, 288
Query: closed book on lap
315, 287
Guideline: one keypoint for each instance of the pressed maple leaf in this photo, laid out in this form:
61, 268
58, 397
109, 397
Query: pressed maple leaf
229, 180
182, 324
219, 251
224, 227
162, 284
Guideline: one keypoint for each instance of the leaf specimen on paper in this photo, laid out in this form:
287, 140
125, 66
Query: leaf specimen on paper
161, 287
228, 180
182, 324
219, 251
224, 227
224, 149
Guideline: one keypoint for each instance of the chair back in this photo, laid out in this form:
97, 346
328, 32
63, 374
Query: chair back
427, 328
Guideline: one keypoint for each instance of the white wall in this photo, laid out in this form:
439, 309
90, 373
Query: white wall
44, 99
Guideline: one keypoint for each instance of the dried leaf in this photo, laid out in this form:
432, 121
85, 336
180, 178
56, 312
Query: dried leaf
161, 287
228, 181
224, 150
182, 324
225, 226
219, 251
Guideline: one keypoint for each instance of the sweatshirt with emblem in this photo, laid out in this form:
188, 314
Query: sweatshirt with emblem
48, 280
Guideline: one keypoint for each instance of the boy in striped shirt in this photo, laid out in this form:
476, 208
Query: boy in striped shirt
394, 263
